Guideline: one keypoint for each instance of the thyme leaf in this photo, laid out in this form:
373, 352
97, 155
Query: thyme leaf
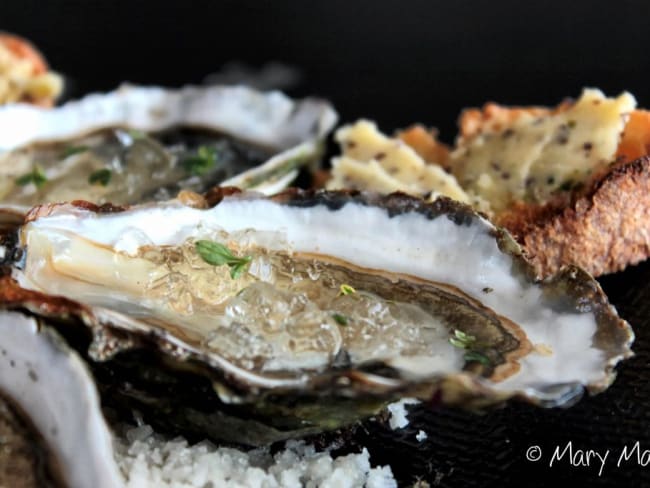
72, 150
217, 254
204, 160
456, 343
477, 356
136, 134
36, 176
100, 177
468, 342
462, 339
340, 319
346, 290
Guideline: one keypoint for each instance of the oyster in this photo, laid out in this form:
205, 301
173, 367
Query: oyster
46, 381
308, 310
141, 144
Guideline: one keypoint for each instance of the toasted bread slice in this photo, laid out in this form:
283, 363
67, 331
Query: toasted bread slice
425, 142
24, 75
571, 183
603, 229
599, 221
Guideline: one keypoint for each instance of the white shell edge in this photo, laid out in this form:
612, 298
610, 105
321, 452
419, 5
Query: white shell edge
53, 387
270, 119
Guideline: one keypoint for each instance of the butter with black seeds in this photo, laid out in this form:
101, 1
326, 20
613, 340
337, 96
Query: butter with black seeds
373, 161
536, 155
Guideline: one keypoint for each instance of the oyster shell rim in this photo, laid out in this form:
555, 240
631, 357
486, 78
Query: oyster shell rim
294, 129
461, 388
62, 451
192, 107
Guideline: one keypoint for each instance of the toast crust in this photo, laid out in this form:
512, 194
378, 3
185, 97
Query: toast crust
603, 228
577, 193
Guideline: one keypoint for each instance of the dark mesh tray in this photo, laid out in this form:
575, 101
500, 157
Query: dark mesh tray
464, 449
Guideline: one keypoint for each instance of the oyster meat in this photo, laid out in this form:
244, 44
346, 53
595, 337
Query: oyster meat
140, 144
49, 406
308, 310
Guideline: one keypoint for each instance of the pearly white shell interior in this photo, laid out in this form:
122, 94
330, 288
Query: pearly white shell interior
269, 119
438, 249
52, 386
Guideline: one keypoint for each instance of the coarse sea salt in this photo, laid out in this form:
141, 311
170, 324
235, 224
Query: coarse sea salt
398, 414
147, 459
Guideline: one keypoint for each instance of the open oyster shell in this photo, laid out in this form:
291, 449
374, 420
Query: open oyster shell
139, 144
42, 379
347, 301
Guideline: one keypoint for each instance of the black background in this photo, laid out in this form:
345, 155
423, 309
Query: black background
396, 63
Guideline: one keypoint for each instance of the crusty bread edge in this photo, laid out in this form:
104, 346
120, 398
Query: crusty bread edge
602, 230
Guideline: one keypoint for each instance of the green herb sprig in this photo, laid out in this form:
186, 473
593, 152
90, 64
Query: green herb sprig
100, 177
468, 342
462, 340
479, 357
72, 150
204, 160
217, 254
136, 134
340, 319
345, 289
36, 176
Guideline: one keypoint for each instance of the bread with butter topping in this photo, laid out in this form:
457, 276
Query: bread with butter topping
571, 183
24, 74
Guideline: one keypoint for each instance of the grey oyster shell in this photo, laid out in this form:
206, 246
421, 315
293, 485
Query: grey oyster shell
49, 388
545, 342
289, 133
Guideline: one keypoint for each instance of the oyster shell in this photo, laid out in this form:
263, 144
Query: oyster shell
51, 385
443, 305
140, 144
